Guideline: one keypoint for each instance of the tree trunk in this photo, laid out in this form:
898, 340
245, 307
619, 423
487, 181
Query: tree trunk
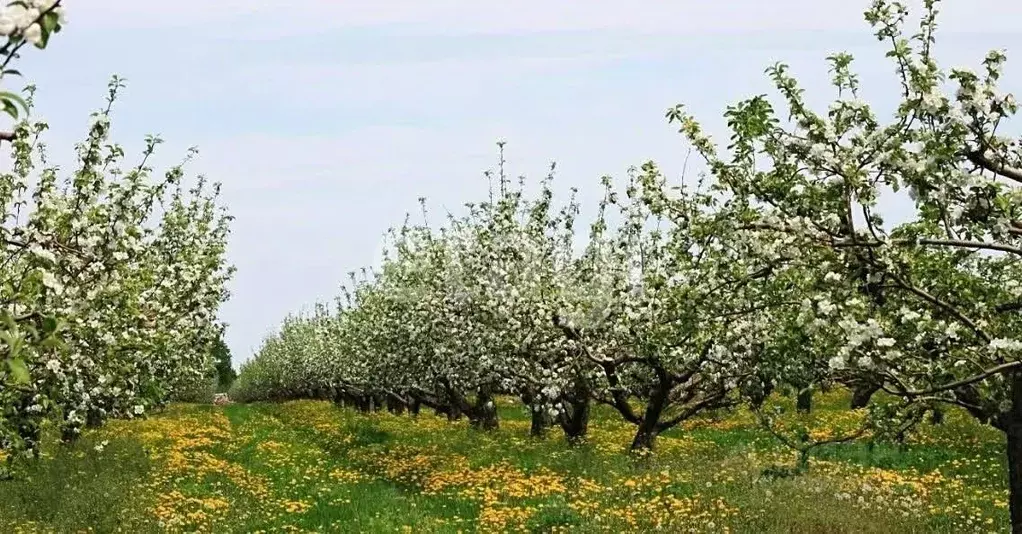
575, 423
456, 403
645, 438
1011, 424
94, 420
68, 436
540, 422
862, 394
1015, 476
484, 414
347, 399
365, 404
804, 401
414, 407
395, 406
757, 398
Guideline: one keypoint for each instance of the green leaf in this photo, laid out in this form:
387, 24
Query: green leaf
8, 96
10, 109
50, 22
19, 371
53, 342
50, 325
14, 342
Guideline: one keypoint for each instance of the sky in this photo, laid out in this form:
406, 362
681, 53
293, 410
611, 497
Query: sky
326, 121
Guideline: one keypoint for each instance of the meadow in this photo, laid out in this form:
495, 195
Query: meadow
311, 466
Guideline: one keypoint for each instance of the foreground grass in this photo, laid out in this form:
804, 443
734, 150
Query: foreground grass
311, 467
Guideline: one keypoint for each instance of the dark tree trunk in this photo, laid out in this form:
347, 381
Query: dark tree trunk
1015, 477
758, 396
395, 406
1011, 424
540, 422
456, 404
862, 393
345, 399
804, 401
32, 433
645, 438
364, 403
575, 423
484, 414
649, 427
94, 420
68, 436
414, 407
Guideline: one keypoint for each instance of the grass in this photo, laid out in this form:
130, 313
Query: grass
309, 466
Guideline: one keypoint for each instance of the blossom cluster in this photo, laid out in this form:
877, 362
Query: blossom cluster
27, 19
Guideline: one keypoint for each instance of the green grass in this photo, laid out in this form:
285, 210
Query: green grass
313, 467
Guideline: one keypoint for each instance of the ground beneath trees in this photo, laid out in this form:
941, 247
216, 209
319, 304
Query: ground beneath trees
308, 466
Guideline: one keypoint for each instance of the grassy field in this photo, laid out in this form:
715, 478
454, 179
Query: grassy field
308, 466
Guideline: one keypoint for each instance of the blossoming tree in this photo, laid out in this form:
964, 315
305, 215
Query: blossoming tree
927, 306
111, 279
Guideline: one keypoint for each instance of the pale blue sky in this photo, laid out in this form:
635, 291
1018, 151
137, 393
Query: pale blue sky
325, 121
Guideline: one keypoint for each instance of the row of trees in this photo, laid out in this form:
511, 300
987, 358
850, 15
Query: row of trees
779, 269
111, 278
672, 313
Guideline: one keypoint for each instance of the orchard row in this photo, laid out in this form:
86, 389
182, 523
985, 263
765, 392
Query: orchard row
820, 247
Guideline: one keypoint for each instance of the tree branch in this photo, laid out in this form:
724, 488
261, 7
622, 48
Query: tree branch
997, 369
943, 305
979, 158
